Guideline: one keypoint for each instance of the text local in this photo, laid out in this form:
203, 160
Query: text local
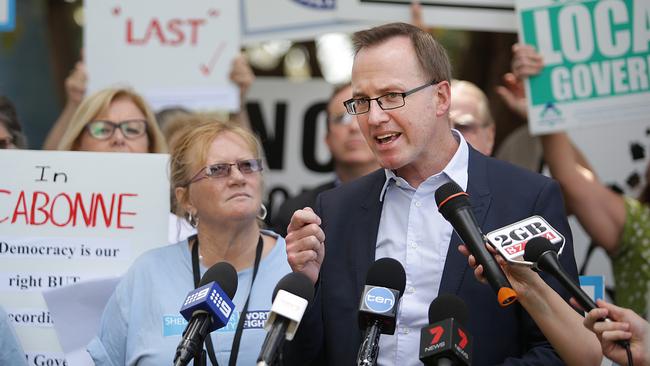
607, 28
107, 210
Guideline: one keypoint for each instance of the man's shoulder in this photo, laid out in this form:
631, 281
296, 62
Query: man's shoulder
306, 198
357, 188
504, 174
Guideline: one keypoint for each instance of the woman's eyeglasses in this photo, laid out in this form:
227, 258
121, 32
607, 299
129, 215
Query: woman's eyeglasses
103, 130
221, 170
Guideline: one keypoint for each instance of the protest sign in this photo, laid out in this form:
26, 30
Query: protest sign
597, 62
479, 15
67, 217
175, 53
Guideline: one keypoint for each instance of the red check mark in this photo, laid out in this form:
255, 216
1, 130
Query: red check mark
207, 68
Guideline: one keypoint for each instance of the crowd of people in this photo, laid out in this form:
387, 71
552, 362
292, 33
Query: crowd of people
397, 132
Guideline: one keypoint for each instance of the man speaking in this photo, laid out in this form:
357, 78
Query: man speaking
401, 97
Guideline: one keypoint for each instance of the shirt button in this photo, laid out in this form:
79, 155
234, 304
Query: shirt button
414, 244
418, 204
410, 289
405, 330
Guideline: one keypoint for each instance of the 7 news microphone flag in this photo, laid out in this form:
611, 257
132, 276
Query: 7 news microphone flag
206, 308
445, 341
384, 287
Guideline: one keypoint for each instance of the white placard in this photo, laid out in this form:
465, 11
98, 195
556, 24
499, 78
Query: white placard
176, 53
264, 20
478, 15
66, 217
290, 119
596, 62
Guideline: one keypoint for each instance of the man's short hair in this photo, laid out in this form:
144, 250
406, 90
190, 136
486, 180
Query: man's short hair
431, 55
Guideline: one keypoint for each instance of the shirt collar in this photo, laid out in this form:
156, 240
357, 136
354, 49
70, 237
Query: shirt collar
456, 169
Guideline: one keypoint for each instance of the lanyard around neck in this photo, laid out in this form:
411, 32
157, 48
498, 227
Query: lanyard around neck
242, 315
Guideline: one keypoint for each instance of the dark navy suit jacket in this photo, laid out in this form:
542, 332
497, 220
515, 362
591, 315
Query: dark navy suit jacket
500, 194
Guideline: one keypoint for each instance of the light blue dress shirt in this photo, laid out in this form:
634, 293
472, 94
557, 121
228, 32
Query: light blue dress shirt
412, 231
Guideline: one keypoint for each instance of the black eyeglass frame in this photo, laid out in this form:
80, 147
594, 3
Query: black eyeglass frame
349, 106
116, 125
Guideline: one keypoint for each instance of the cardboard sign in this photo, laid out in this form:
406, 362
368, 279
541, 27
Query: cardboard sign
597, 62
511, 240
67, 217
479, 15
263, 20
176, 53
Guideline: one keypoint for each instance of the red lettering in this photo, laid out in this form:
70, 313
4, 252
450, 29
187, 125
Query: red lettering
129, 34
21, 201
70, 210
173, 27
154, 26
79, 206
46, 214
99, 199
195, 24
9, 194
120, 212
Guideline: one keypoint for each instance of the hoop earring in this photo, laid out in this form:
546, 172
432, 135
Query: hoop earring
263, 212
192, 219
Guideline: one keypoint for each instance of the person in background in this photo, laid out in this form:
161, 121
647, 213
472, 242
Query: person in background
470, 114
619, 224
11, 133
11, 352
351, 155
216, 174
625, 325
113, 120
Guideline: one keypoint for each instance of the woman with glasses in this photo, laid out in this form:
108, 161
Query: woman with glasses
216, 175
113, 120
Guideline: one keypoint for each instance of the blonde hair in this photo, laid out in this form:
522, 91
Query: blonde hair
483, 104
99, 102
190, 150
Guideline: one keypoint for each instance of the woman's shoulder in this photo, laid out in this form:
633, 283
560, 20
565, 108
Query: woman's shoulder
164, 259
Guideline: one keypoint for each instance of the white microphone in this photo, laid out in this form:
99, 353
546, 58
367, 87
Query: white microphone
291, 296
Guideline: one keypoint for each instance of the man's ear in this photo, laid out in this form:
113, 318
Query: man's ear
443, 98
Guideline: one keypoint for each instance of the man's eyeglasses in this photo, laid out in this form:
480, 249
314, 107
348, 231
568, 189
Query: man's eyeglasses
103, 130
221, 170
386, 102
7, 142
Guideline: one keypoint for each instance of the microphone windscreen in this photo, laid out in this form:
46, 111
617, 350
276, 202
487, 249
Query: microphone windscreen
449, 197
224, 274
387, 272
447, 306
537, 246
295, 283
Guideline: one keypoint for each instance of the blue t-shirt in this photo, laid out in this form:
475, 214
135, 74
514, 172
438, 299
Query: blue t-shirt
11, 353
141, 324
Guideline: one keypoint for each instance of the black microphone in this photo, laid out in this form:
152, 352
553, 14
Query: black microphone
385, 284
207, 308
540, 251
291, 296
454, 206
445, 341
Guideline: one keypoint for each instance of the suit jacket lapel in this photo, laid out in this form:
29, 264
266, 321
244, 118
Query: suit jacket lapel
479, 197
366, 216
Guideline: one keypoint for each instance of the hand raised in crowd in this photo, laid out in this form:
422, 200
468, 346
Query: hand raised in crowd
305, 243
526, 62
75, 84
242, 74
626, 325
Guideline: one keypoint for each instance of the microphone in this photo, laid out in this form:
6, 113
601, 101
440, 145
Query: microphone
445, 341
291, 296
207, 308
384, 287
454, 206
